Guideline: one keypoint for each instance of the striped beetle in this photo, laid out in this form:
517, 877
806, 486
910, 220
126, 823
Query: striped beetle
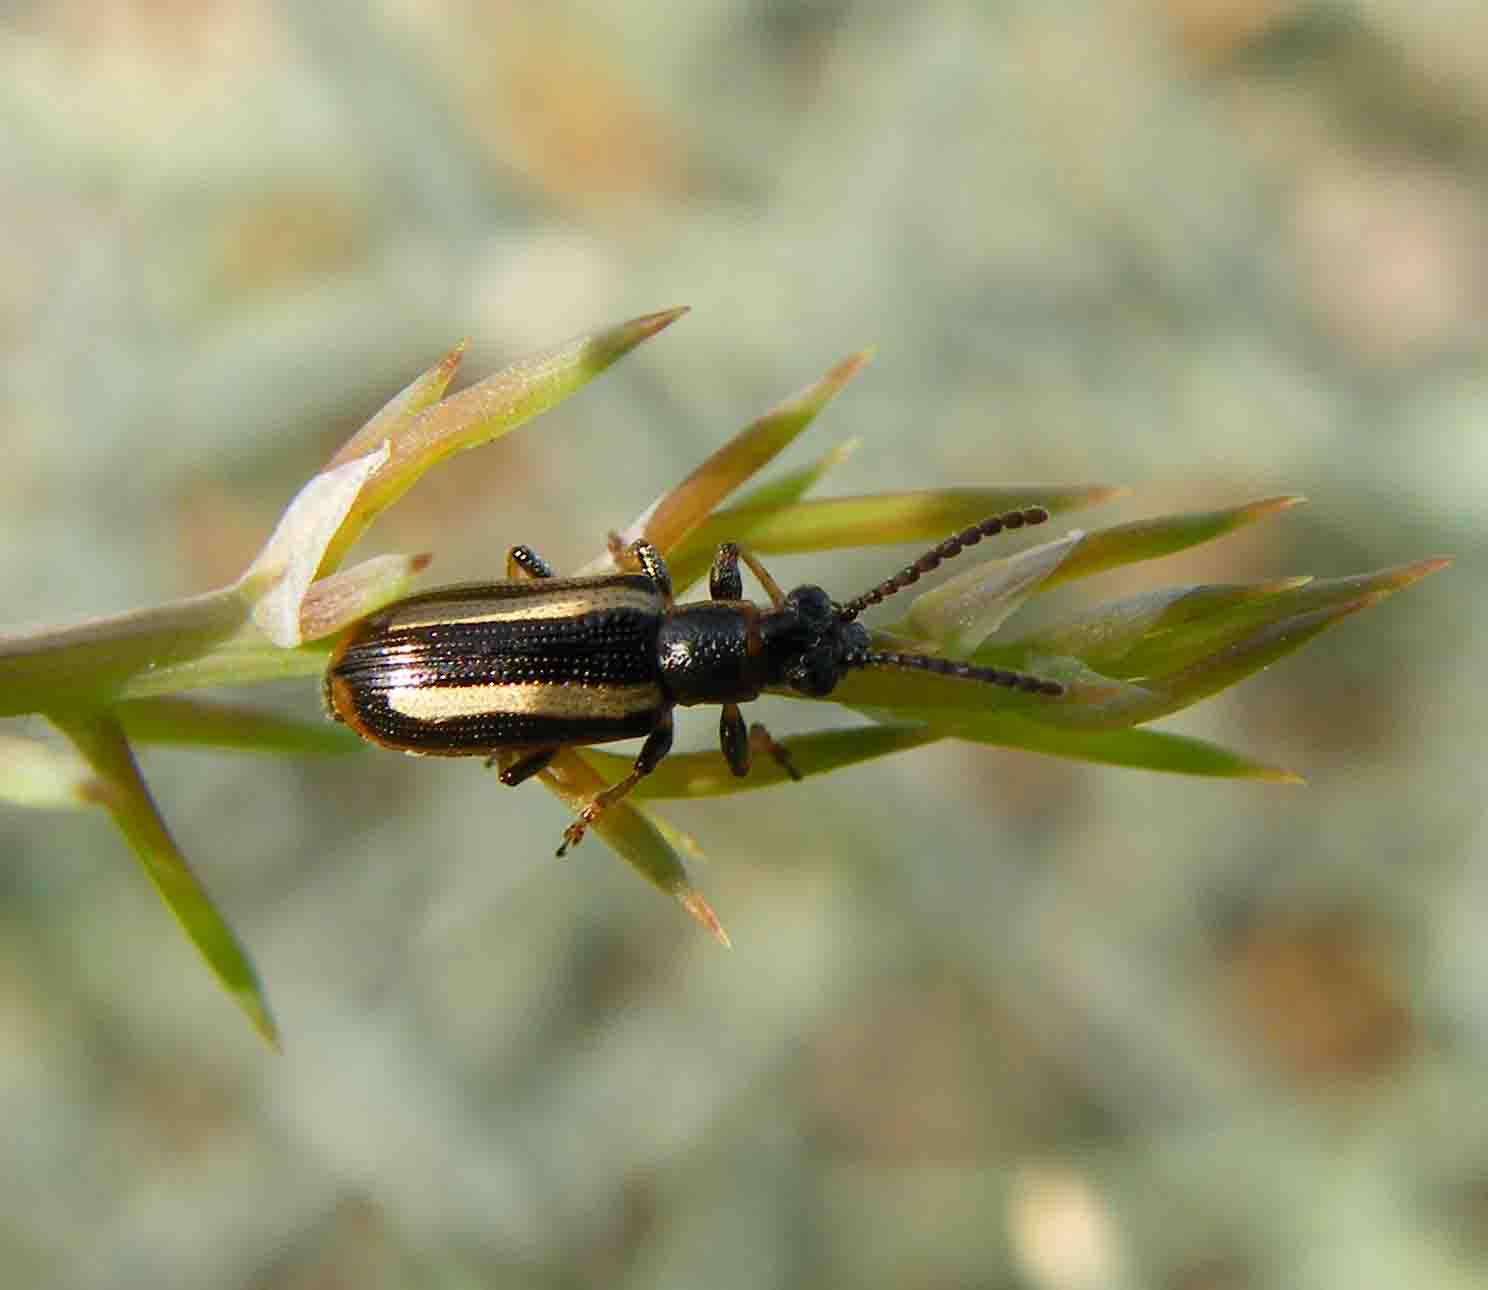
515, 670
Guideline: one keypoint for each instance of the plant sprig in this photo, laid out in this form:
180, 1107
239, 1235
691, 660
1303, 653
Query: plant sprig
112, 681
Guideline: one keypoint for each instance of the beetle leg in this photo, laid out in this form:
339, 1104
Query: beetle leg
724, 582
733, 738
523, 561
740, 745
658, 744
760, 737
520, 764
654, 567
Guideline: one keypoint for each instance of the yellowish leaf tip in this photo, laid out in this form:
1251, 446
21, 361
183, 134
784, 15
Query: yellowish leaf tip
841, 373
1423, 568
650, 324
1270, 505
693, 902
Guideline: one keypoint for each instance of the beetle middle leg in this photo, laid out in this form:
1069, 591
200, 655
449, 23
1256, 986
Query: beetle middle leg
658, 744
518, 765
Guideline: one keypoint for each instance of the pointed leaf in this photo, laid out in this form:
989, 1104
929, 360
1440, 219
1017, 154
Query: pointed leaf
1382, 582
1133, 748
706, 775
793, 486
285, 568
344, 598
1105, 636
486, 411
633, 835
389, 424
962, 612
824, 524
425, 390
684, 507
1148, 539
1202, 623
1158, 696
124, 795
1243, 658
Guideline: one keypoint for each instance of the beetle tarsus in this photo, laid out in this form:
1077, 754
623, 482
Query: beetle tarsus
658, 744
758, 735
572, 836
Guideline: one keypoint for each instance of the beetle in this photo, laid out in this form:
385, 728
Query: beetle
516, 670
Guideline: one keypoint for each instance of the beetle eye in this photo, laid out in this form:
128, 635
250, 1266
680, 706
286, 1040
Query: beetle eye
814, 608
815, 673
852, 642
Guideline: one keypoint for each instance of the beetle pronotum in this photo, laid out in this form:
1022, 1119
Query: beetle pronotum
514, 671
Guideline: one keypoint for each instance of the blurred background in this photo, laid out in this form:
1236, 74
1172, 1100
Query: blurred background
990, 1019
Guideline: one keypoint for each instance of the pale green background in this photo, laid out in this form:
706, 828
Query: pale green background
990, 1019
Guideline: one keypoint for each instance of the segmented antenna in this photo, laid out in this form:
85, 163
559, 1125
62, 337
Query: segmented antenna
966, 671
932, 559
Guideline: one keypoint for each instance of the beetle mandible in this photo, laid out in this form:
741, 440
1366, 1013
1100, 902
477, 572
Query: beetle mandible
515, 670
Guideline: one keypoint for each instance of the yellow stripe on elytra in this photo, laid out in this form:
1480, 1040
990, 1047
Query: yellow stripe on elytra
562, 702
568, 603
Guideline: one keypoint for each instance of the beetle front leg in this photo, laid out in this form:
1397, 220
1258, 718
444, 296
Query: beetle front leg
725, 582
658, 744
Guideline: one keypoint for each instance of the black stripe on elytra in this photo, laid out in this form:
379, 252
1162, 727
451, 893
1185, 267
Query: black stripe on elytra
605, 647
488, 732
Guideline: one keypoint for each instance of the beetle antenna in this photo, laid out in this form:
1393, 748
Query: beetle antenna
933, 558
965, 671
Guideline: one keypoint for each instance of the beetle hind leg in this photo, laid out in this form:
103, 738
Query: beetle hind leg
658, 744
